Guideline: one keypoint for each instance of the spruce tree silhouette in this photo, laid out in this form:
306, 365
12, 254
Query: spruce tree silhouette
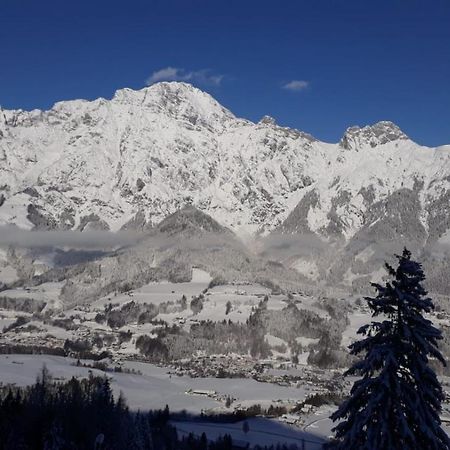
396, 402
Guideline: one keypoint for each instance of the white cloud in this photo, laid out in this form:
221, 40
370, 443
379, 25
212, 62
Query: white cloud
204, 76
16, 237
296, 85
167, 74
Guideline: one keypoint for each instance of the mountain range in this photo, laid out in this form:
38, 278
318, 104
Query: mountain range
329, 212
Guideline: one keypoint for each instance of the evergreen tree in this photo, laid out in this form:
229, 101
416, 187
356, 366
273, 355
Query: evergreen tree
396, 402
203, 444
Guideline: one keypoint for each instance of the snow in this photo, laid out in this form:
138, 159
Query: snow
200, 276
319, 422
366, 254
45, 292
274, 341
307, 268
306, 342
155, 388
5, 321
243, 389
8, 274
95, 151
349, 276
309, 303
261, 432
161, 292
357, 320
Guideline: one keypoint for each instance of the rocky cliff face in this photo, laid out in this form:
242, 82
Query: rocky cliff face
145, 154
129, 162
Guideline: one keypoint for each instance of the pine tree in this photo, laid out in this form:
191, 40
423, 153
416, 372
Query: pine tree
396, 402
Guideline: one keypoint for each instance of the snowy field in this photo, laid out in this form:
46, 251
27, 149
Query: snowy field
356, 321
8, 274
261, 431
156, 387
160, 292
45, 292
5, 321
319, 422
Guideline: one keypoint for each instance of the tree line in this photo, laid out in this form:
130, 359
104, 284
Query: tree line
81, 414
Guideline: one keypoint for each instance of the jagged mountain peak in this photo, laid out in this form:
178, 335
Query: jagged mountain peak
371, 135
270, 125
176, 99
267, 120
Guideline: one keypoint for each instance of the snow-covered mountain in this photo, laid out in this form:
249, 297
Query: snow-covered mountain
131, 161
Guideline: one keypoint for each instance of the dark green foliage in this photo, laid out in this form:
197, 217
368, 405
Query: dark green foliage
22, 304
229, 337
83, 415
288, 322
66, 324
130, 312
395, 405
72, 415
153, 348
24, 349
183, 303
196, 305
55, 415
83, 348
224, 337
20, 321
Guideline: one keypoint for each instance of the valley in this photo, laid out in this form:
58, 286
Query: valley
203, 349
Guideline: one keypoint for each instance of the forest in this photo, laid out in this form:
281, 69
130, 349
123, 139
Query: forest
83, 414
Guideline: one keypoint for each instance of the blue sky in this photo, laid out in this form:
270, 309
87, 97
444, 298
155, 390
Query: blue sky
318, 65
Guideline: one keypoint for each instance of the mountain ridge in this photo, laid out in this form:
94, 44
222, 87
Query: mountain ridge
129, 162
16, 117
158, 149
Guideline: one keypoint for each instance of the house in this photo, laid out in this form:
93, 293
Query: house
203, 392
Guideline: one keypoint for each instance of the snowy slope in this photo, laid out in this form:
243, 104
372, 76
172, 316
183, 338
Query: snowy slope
145, 153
